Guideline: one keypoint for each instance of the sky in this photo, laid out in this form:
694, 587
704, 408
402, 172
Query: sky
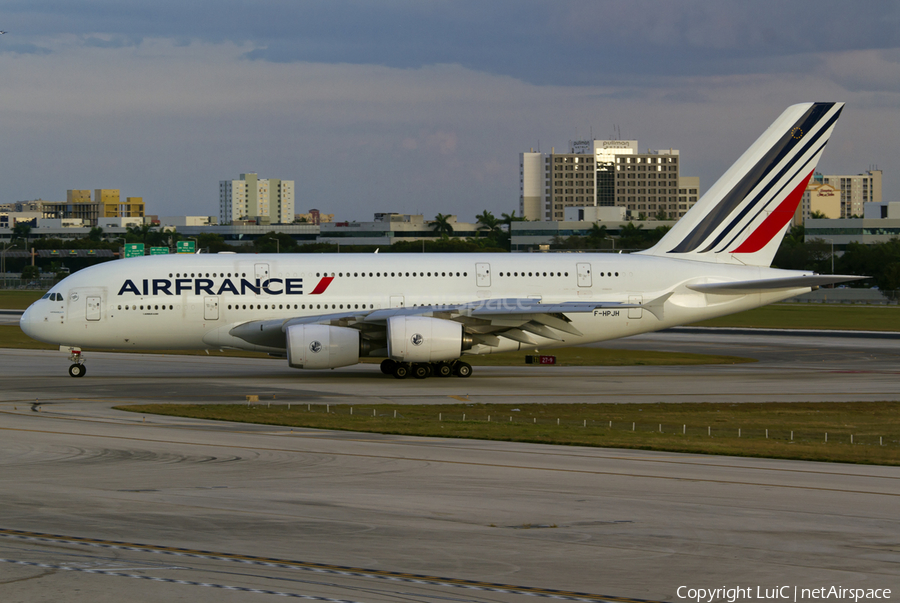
419, 106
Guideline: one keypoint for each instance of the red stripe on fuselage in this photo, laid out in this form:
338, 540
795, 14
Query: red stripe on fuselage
775, 221
323, 284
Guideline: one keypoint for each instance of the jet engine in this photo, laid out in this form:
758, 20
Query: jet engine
423, 339
321, 346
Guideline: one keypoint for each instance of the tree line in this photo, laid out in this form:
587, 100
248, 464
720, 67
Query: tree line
880, 261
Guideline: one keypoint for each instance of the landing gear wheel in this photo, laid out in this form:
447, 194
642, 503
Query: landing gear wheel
421, 371
463, 369
387, 366
442, 369
401, 370
77, 370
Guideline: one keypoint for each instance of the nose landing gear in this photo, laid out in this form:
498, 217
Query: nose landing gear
77, 368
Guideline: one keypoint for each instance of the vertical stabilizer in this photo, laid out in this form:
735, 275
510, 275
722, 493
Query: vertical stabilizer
743, 217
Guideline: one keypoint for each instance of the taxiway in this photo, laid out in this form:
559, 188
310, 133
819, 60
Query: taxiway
102, 505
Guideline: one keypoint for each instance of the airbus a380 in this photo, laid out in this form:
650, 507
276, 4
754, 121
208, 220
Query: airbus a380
423, 313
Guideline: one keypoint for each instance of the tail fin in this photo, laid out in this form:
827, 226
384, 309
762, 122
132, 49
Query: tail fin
743, 217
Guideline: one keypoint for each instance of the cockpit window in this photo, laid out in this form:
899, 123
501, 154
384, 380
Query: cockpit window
46, 296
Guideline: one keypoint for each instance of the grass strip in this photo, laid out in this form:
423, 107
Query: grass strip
766, 429
15, 299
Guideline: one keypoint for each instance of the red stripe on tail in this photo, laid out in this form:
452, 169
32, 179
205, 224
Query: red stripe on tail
775, 221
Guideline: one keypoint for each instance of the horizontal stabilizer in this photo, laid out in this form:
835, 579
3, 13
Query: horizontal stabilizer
767, 284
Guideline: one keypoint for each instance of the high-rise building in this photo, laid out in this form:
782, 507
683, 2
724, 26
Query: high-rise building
252, 197
604, 173
649, 184
855, 191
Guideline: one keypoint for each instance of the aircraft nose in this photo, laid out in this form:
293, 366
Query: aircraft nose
25, 321
32, 322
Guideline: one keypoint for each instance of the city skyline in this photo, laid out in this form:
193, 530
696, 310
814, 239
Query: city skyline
419, 107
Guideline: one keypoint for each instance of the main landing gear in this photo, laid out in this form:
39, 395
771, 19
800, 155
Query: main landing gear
422, 370
77, 368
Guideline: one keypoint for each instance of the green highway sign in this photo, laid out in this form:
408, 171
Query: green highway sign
186, 247
159, 251
134, 250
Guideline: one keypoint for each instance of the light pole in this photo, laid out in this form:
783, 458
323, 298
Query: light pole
3, 255
832, 254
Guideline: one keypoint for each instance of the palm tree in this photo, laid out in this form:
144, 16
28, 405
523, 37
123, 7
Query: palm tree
597, 235
488, 223
140, 232
441, 225
21, 231
631, 236
508, 219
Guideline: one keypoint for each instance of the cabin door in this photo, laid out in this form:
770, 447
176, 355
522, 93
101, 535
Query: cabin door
211, 307
92, 312
583, 269
483, 274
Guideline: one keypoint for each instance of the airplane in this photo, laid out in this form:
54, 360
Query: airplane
424, 313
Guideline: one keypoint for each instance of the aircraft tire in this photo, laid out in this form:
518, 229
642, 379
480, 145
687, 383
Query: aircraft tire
463, 369
421, 371
442, 369
401, 371
387, 366
77, 370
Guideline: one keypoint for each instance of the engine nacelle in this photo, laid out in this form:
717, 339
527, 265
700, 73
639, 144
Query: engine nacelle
423, 339
321, 346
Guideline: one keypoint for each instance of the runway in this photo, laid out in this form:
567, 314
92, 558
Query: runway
101, 505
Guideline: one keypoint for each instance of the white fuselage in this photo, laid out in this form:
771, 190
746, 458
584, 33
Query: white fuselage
193, 301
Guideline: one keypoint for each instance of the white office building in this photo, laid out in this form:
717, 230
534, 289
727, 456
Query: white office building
255, 198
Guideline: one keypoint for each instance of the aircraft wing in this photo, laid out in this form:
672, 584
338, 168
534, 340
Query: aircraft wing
767, 284
485, 320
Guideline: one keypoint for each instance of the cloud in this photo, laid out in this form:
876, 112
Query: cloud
865, 70
569, 42
415, 106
